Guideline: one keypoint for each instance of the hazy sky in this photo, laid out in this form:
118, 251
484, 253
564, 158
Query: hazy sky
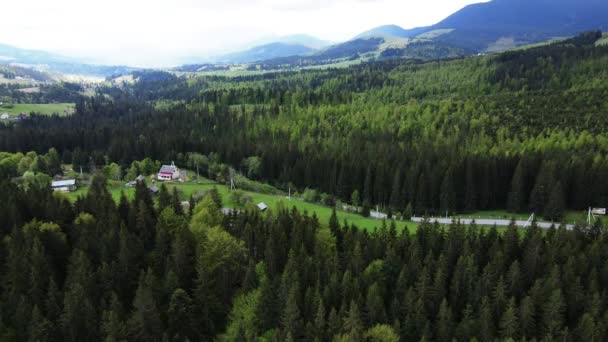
160, 32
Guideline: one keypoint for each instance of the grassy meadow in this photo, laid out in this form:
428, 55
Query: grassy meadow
45, 109
189, 188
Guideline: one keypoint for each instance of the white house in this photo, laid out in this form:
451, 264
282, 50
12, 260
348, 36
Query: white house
168, 172
64, 185
4, 116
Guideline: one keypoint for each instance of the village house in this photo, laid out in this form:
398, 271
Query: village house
168, 172
66, 185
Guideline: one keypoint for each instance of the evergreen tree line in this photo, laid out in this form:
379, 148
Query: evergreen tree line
145, 269
525, 130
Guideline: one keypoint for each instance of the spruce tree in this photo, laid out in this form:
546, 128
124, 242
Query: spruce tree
375, 306
145, 323
517, 196
444, 322
291, 322
554, 209
509, 325
352, 323
447, 197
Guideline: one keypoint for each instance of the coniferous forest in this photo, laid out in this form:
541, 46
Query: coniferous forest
525, 131
469, 134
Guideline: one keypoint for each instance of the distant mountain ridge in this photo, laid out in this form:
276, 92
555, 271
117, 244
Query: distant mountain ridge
46, 61
480, 27
264, 52
487, 27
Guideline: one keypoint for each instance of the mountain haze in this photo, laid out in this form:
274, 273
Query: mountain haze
264, 52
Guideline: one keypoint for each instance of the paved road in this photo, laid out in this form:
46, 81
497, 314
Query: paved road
490, 222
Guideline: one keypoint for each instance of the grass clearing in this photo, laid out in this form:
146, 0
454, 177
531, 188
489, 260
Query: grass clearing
322, 212
60, 109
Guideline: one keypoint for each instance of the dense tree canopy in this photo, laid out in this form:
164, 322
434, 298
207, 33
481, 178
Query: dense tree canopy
90, 272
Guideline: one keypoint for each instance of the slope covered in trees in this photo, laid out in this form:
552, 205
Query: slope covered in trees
145, 270
477, 133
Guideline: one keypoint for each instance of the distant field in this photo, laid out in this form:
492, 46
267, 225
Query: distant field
45, 109
322, 212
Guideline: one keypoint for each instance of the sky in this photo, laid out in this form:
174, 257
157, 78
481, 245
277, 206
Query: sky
150, 33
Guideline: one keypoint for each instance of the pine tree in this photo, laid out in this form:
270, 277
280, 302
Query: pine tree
355, 198
527, 318
367, 188
587, 329
164, 198
517, 196
79, 320
409, 211
447, 197
251, 277
40, 327
176, 204
145, 323
540, 192
267, 309
552, 314
113, 327
554, 209
395, 200
320, 324
333, 324
444, 322
352, 323
486, 321
291, 320
179, 315
509, 325
470, 201
375, 306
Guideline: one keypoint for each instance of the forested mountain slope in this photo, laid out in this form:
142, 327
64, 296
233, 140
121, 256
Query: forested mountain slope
525, 130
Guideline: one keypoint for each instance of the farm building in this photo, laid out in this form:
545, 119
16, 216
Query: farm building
4, 116
64, 185
168, 172
153, 189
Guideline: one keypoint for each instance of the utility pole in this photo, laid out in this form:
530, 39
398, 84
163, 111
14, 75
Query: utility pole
530, 219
